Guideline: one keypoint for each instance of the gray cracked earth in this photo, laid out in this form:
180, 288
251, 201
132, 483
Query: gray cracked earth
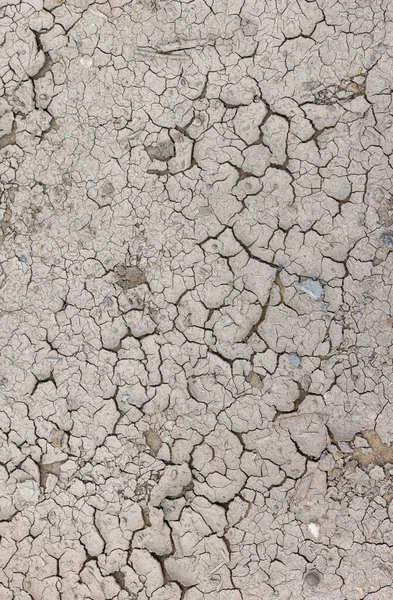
196, 300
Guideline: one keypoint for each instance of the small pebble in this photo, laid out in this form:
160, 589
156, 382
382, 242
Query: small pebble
294, 360
312, 578
312, 288
314, 529
86, 61
387, 239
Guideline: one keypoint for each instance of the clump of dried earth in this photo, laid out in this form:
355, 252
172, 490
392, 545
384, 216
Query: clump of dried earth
196, 230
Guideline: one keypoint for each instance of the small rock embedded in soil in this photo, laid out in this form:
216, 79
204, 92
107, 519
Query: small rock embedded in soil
294, 360
312, 578
387, 239
314, 529
312, 288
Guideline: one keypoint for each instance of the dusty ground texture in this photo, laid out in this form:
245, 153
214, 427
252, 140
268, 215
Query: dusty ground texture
196, 300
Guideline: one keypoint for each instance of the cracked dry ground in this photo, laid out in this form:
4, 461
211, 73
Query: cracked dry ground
196, 300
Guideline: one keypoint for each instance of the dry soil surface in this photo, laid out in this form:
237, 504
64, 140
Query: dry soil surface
196, 270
